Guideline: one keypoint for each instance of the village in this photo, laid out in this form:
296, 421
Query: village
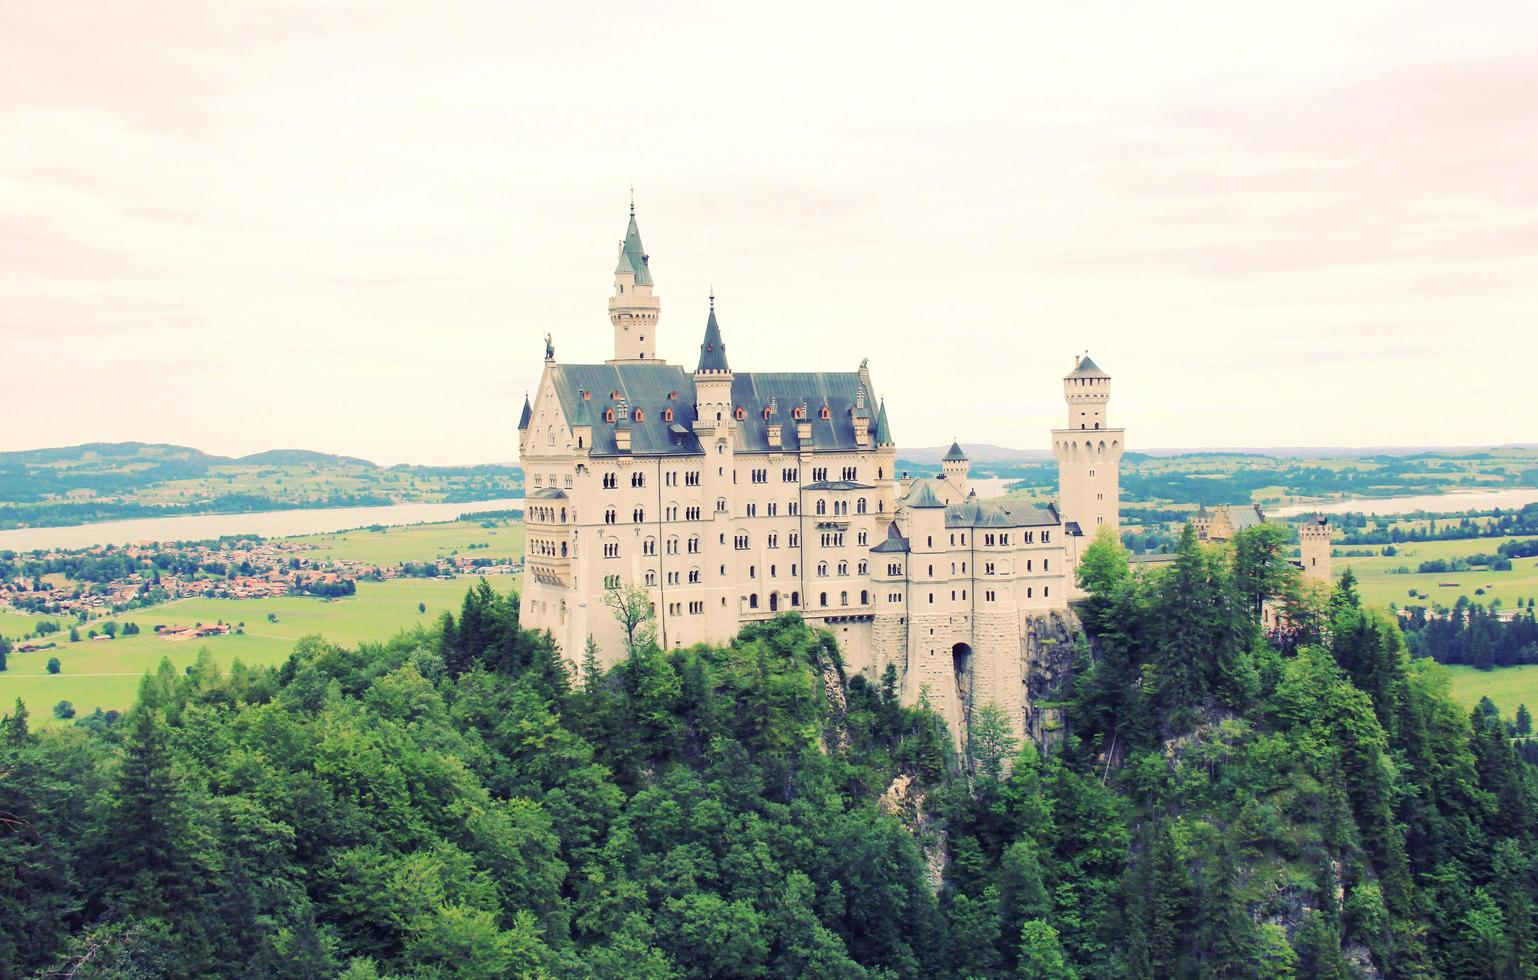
102, 581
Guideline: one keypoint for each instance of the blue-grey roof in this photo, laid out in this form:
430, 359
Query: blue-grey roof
955, 454
1087, 367
647, 385
633, 253
894, 542
921, 494
712, 348
836, 389
883, 428
838, 485
549, 493
528, 412
975, 513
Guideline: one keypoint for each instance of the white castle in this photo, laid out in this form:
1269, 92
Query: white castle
731, 497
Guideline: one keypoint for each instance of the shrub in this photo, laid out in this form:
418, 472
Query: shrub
64, 710
54, 665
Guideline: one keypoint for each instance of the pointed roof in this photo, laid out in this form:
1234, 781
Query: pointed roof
883, 430
633, 254
921, 495
712, 348
623, 267
528, 413
955, 454
584, 413
1087, 368
894, 542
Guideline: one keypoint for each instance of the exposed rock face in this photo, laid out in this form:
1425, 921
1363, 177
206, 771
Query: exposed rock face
904, 799
1047, 651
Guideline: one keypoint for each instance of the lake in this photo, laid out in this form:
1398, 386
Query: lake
1512, 498
268, 524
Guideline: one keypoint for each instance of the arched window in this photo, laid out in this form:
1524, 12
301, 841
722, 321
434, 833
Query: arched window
753, 601
822, 507
864, 597
859, 506
843, 598
824, 414
795, 599
667, 415
822, 598
608, 415
740, 414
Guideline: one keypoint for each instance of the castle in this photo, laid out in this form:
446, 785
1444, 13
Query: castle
732, 496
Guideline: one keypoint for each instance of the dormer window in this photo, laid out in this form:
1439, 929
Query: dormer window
667, 415
766, 413
798, 413
825, 414
587, 396
673, 396
613, 396
638, 416
608, 415
741, 413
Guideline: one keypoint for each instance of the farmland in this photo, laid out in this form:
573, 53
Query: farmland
1381, 584
106, 673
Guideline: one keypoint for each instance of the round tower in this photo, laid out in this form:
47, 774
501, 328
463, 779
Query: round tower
633, 309
955, 466
1088, 452
1314, 544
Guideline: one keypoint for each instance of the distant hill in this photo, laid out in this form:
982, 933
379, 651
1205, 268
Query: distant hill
102, 481
975, 451
301, 457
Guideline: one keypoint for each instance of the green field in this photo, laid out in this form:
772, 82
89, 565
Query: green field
106, 673
421, 542
1380, 585
1506, 686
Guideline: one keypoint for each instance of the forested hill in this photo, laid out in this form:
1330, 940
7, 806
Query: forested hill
121, 480
459, 803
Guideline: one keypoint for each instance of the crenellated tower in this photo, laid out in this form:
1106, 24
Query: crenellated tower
1088, 451
633, 308
1314, 547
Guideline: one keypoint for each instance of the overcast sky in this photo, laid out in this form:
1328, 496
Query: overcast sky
347, 226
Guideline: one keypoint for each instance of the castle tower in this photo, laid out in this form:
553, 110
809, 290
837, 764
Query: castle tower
1088, 451
955, 466
713, 379
1314, 540
633, 309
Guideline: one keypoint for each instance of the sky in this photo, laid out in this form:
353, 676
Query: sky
347, 226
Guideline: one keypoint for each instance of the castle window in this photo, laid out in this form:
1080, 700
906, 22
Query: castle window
651, 577
822, 507
859, 506
694, 545
613, 395
753, 601
672, 545
673, 395
825, 414
860, 538
638, 416
740, 414
864, 597
864, 567
843, 598
609, 516
822, 569
795, 598
608, 415
843, 568
822, 598
667, 415
1046, 592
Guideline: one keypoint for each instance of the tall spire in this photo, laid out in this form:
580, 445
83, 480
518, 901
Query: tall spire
633, 309
635, 254
883, 429
712, 348
528, 413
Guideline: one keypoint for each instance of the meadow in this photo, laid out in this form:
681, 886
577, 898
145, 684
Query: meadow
1506, 686
106, 673
421, 542
1381, 585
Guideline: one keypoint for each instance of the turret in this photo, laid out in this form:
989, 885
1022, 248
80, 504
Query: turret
1314, 546
523, 425
582, 422
713, 379
1088, 452
633, 309
1087, 389
955, 466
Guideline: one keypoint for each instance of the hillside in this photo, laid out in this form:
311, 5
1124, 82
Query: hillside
113, 481
459, 803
